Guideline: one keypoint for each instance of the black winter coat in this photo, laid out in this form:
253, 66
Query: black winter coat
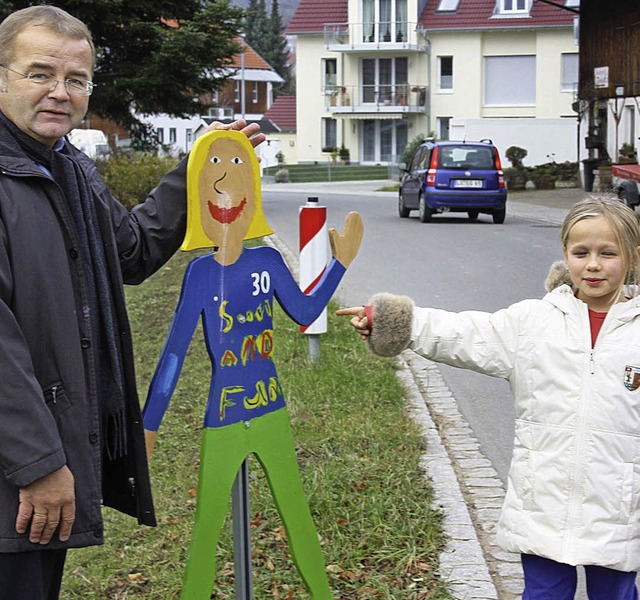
48, 407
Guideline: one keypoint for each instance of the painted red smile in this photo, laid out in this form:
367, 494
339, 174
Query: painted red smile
226, 215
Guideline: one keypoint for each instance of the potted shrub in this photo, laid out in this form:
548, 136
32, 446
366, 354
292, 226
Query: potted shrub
627, 154
544, 177
516, 175
344, 155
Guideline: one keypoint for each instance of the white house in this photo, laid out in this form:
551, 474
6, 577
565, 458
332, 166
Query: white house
375, 74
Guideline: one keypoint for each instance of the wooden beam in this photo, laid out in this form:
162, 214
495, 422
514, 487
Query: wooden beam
569, 8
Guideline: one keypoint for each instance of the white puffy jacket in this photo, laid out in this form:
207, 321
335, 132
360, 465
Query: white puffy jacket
574, 483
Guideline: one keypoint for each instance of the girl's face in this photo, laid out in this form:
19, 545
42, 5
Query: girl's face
595, 263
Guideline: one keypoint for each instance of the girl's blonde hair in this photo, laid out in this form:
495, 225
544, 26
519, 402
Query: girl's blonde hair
623, 222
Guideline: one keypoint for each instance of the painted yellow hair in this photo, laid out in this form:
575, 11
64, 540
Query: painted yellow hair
195, 237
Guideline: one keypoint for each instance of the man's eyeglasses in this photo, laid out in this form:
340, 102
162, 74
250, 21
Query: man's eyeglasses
74, 86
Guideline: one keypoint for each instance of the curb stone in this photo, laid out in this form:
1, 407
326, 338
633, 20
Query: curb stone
465, 485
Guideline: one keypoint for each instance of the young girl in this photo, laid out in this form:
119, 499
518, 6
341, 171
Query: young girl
573, 362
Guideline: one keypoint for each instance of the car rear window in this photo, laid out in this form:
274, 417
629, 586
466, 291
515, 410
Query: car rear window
465, 157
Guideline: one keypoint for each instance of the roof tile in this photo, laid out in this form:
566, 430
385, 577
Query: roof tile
283, 113
311, 15
252, 60
478, 14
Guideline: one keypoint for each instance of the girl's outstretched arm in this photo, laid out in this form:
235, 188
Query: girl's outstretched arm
385, 322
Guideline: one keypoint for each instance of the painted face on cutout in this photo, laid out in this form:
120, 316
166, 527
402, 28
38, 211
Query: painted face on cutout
227, 200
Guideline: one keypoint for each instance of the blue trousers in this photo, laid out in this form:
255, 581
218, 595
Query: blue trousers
546, 579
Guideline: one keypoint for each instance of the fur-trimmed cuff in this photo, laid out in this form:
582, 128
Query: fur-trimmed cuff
392, 321
558, 275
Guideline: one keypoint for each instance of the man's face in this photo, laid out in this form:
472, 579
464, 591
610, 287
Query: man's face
43, 113
227, 201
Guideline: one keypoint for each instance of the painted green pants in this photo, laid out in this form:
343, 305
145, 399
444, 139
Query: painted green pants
223, 449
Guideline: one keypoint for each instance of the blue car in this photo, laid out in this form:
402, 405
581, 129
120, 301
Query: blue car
454, 177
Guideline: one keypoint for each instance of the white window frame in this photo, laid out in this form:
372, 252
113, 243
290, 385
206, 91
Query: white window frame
442, 83
630, 125
444, 123
173, 135
371, 140
514, 7
327, 125
384, 20
570, 70
373, 91
330, 79
448, 6
510, 80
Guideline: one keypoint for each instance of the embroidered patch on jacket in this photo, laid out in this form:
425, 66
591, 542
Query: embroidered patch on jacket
632, 378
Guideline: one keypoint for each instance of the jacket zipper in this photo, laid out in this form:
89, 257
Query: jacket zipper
580, 439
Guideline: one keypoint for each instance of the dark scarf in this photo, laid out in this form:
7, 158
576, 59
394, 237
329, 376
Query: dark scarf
69, 175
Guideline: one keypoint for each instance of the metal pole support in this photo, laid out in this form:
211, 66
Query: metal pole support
242, 534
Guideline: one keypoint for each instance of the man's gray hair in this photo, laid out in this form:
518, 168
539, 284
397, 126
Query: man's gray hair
50, 17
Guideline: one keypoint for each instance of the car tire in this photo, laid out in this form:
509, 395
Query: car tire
403, 211
499, 215
424, 212
472, 214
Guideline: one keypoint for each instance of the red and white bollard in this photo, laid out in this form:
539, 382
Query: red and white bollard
315, 254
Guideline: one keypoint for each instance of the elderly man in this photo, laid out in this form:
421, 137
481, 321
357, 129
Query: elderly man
71, 437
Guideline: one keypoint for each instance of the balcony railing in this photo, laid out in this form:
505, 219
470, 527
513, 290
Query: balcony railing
372, 35
402, 97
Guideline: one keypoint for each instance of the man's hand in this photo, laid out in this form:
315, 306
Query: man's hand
49, 504
252, 131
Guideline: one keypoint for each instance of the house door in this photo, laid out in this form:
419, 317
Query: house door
383, 140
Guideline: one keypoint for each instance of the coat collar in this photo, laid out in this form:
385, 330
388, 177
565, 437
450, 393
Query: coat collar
563, 298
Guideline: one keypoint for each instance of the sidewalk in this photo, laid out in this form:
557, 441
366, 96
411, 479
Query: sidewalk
465, 484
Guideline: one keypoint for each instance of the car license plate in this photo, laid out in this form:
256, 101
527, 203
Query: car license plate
467, 183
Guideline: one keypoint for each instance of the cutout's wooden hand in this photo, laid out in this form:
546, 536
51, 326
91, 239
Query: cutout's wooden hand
345, 245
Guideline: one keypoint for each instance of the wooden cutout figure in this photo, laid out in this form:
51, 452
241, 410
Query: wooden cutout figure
232, 290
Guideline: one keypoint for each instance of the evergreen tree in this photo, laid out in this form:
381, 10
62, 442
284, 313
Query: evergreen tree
251, 20
278, 53
264, 35
262, 30
154, 57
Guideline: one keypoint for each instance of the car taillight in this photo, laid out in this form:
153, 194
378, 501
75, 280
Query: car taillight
496, 160
433, 164
498, 166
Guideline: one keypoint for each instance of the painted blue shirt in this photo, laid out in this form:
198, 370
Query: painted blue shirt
236, 306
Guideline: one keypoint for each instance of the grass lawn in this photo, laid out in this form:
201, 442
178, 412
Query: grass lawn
359, 456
